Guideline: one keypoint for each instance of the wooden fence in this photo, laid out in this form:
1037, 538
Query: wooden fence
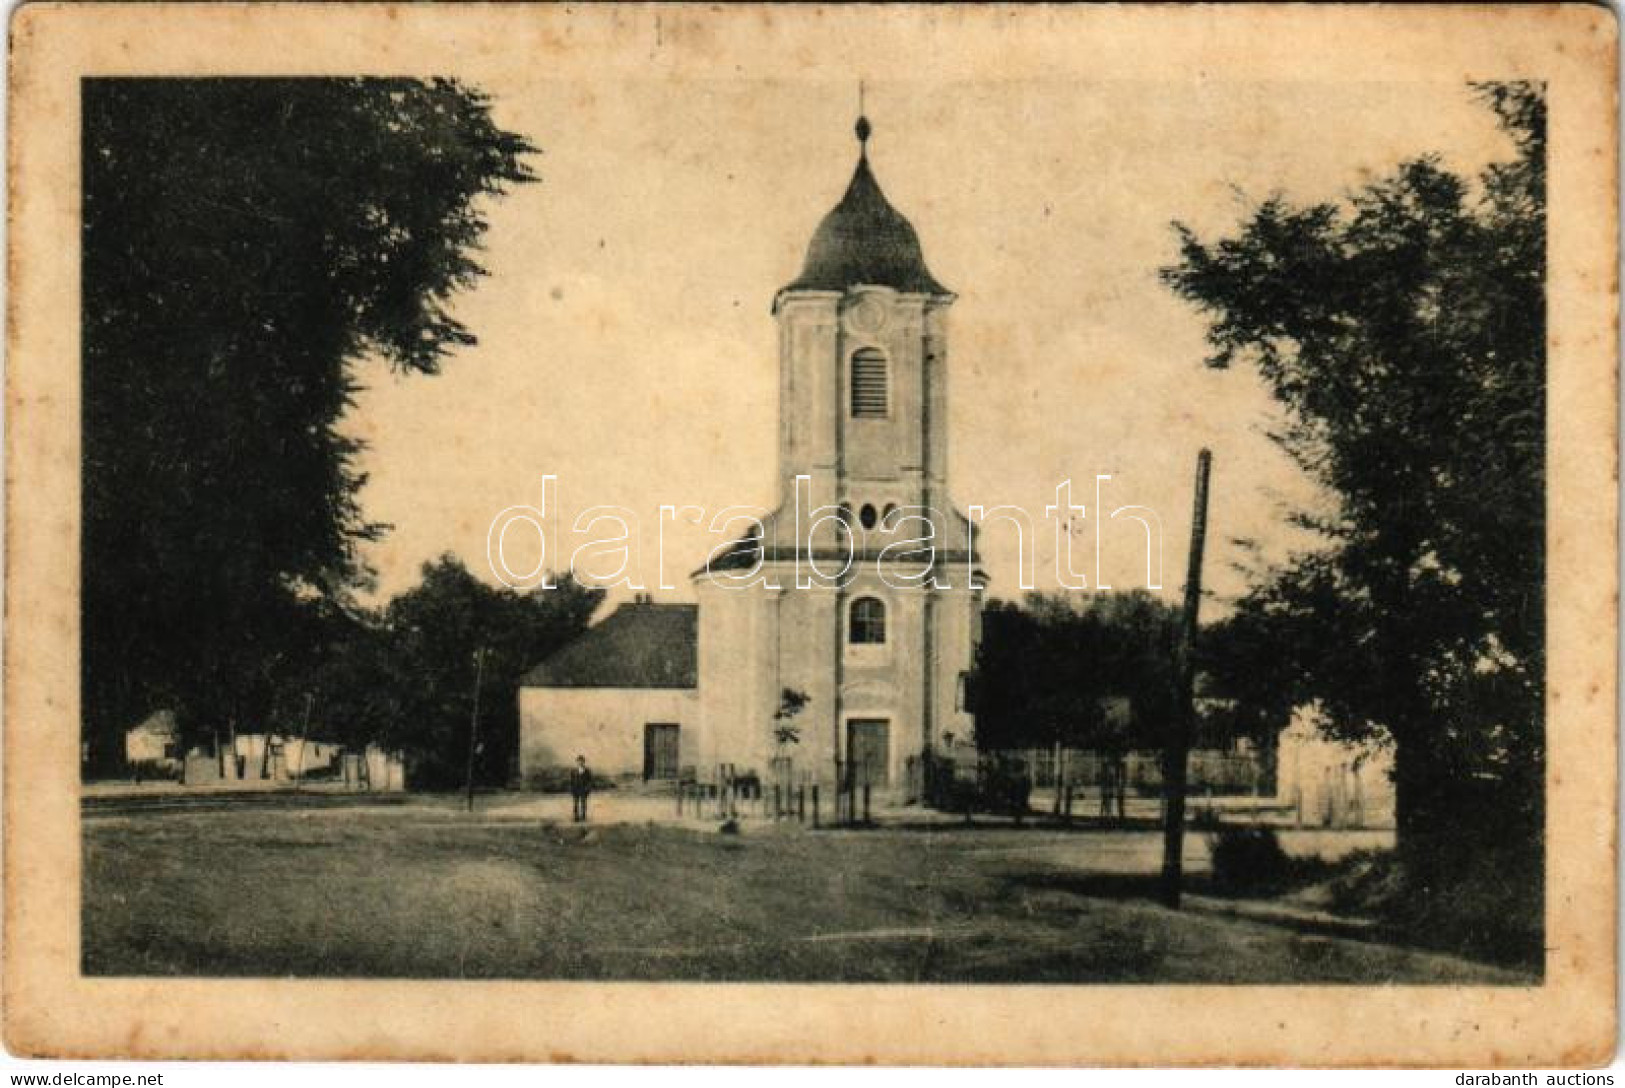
1210, 771
724, 792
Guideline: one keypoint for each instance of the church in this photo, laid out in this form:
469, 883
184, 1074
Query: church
859, 597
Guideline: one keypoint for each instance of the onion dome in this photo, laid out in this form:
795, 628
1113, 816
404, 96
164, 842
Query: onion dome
864, 240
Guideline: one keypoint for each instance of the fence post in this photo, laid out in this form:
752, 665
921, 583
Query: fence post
801, 804
815, 804
866, 802
1054, 778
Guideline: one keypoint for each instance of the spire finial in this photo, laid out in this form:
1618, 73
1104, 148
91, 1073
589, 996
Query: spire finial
862, 127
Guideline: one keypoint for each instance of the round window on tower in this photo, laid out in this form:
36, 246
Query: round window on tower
867, 516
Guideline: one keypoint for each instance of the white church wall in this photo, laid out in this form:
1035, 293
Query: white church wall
935, 367
730, 663
809, 395
754, 643
957, 622
890, 684
807, 638
762, 680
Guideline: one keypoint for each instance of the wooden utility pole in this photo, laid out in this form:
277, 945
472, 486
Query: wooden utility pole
474, 725
1177, 752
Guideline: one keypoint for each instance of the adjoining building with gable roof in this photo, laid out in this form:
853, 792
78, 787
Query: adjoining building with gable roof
620, 694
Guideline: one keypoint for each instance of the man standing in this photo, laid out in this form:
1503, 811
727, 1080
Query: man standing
580, 787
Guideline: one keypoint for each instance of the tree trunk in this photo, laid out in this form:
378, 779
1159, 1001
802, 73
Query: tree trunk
1055, 777
1442, 815
1412, 775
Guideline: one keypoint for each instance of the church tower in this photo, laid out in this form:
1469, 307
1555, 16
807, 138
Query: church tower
861, 590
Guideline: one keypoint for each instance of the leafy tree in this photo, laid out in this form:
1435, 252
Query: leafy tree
403, 676
431, 634
1043, 666
357, 686
245, 242
1404, 331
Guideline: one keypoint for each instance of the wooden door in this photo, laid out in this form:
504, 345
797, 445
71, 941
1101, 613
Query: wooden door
868, 747
659, 750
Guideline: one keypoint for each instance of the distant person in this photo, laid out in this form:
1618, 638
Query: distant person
580, 787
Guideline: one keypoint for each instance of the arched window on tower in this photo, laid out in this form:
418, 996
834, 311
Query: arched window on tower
868, 622
870, 396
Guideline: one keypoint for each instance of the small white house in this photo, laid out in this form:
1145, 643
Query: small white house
275, 757
1333, 783
155, 740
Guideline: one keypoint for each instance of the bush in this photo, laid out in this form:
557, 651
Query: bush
1248, 860
148, 770
1206, 818
1486, 904
951, 793
1006, 786
999, 785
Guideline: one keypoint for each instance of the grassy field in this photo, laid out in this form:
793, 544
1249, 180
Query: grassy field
419, 890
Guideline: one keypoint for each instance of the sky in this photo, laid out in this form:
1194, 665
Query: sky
626, 345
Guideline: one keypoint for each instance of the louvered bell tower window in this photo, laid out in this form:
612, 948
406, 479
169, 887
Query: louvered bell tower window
869, 395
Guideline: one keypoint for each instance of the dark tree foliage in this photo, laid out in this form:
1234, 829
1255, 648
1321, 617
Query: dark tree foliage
1043, 666
245, 242
1250, 658
1405, 331
405, 677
